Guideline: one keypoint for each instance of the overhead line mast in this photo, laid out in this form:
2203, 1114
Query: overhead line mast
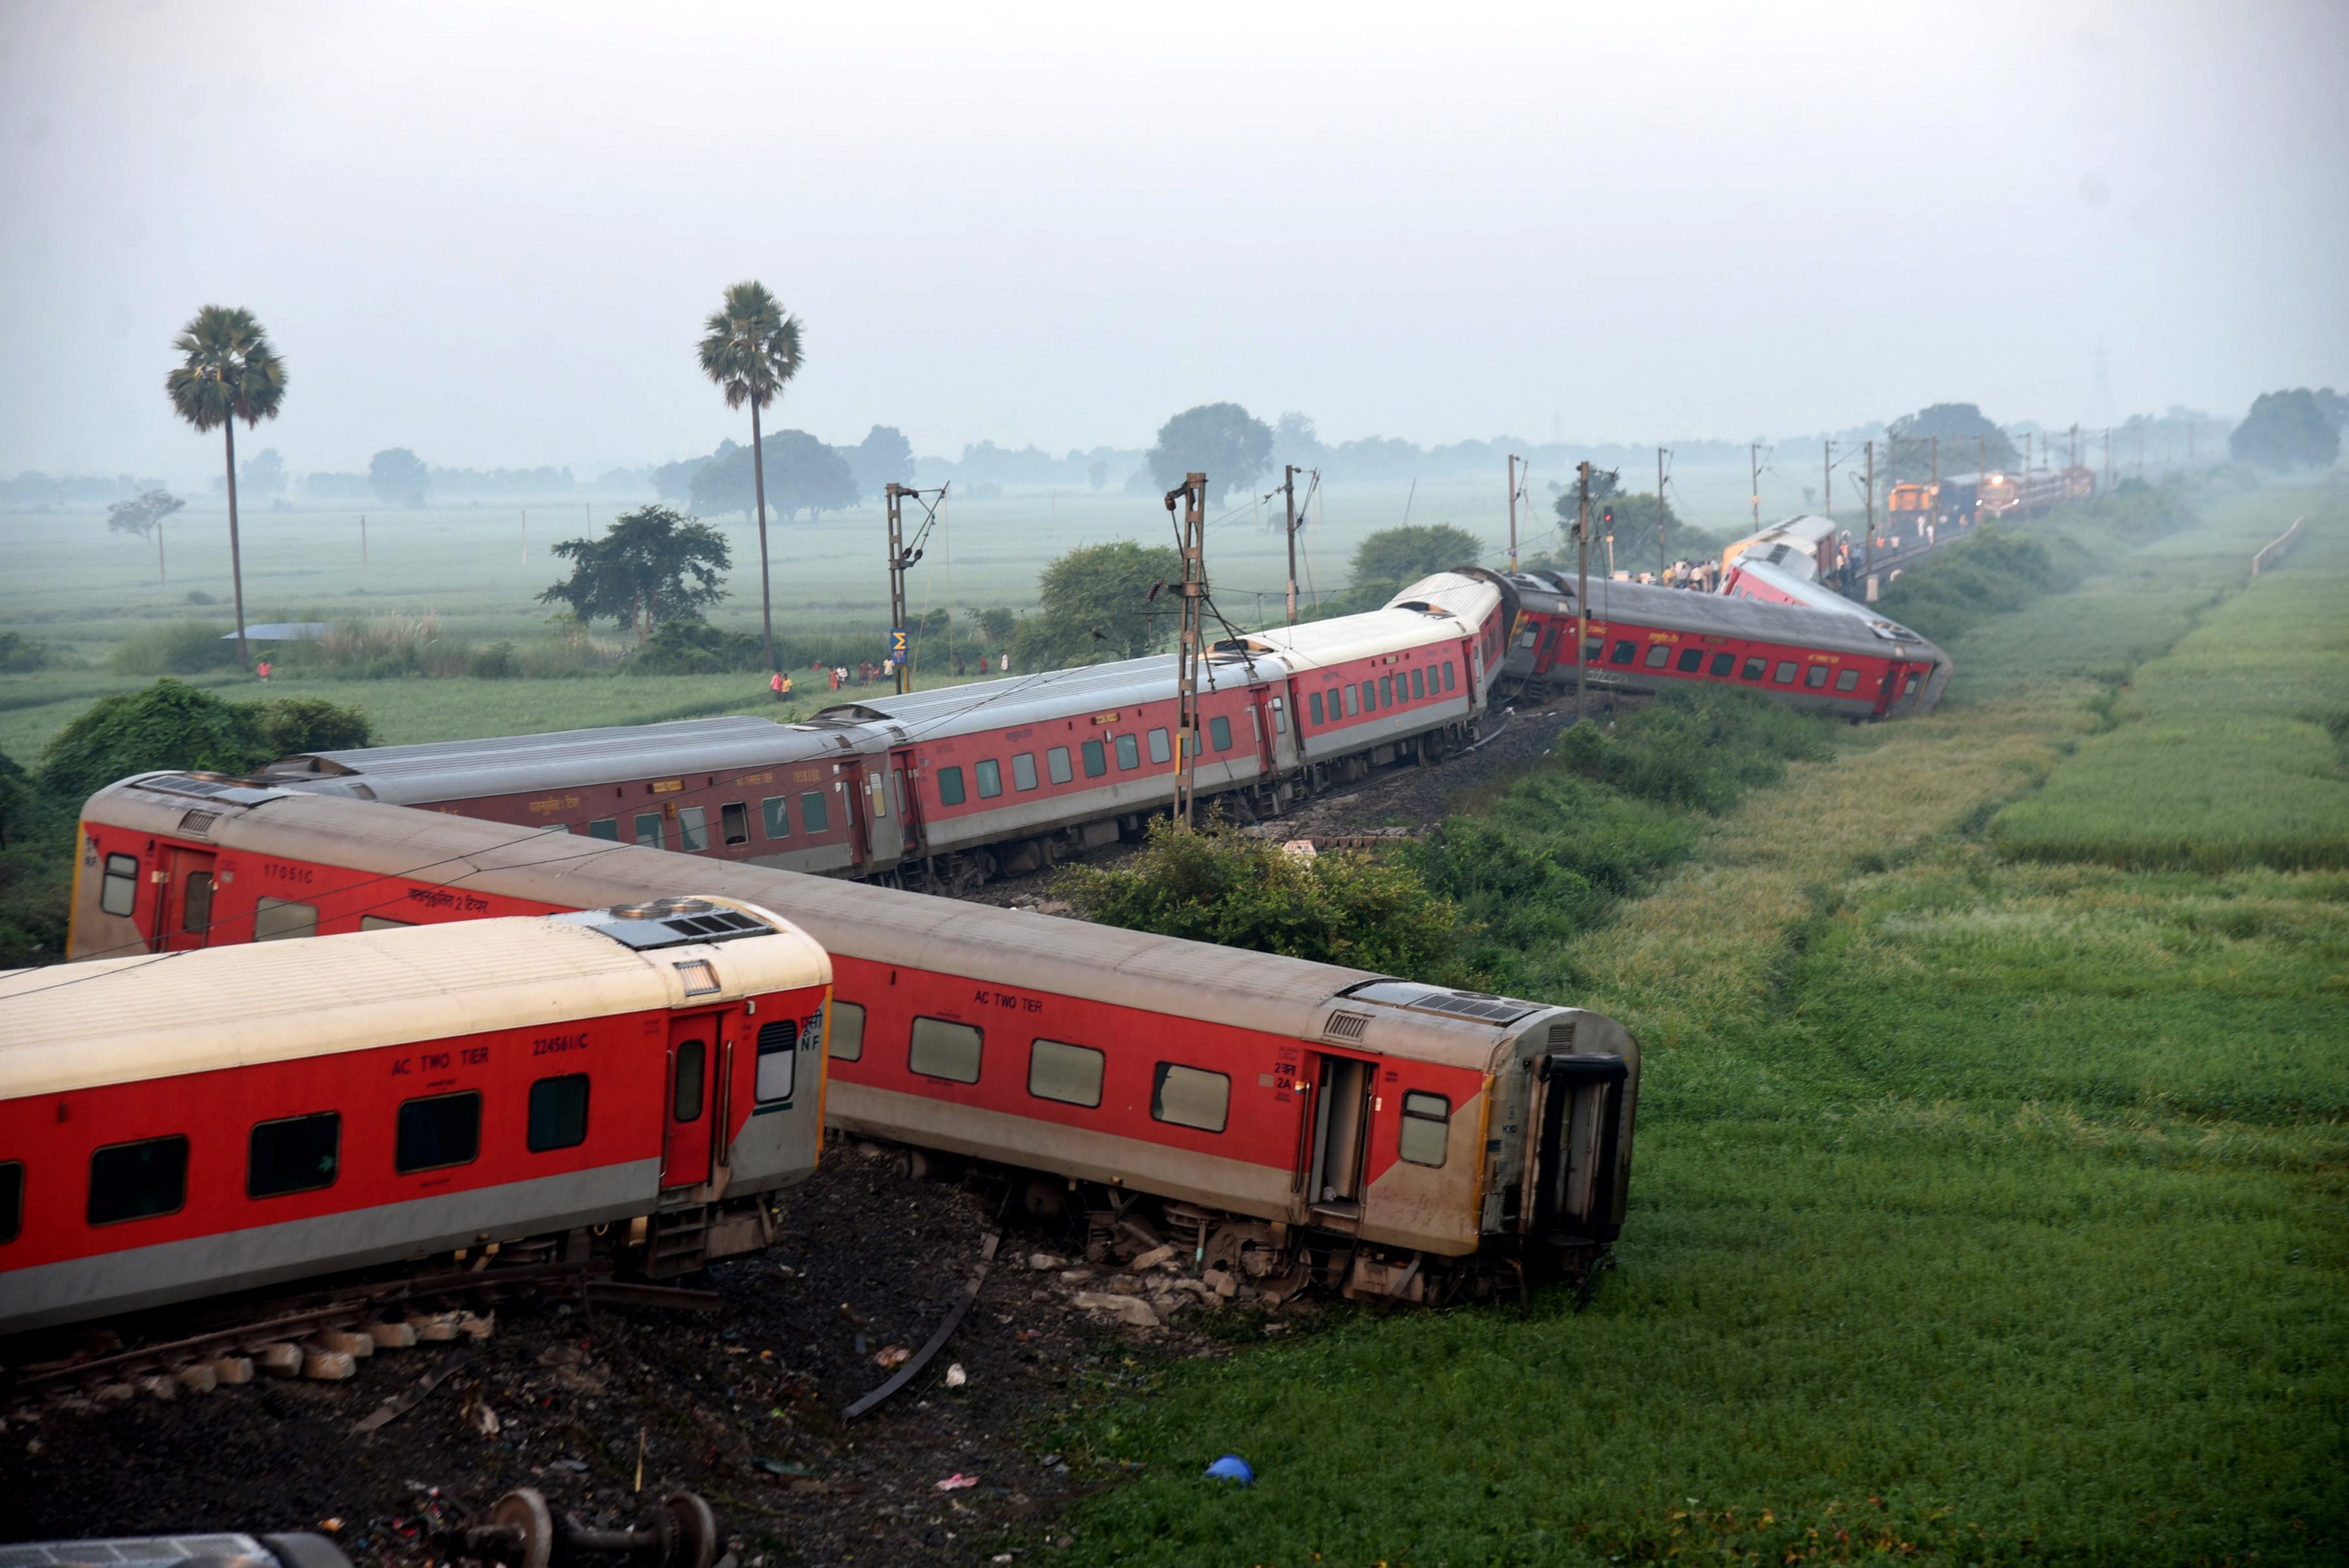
1191, 541
902, 556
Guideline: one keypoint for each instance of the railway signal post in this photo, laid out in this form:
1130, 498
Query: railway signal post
1191, 540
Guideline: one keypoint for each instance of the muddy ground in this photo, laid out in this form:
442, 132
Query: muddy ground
742, 1407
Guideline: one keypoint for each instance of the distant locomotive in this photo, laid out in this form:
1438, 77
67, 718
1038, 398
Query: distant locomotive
177, 1123
1295, 1120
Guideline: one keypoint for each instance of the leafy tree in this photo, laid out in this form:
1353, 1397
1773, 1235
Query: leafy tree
2289, 430
1635, 534
1386, 560
652, 565
884, 456
1099, 473
143, 515
802, 473
398, 477
1966, 437
1094, 604
285, 725
995, 624
674, 481
227, 372
750, 347
1222, 441
1224, 886
265, 474
694, 648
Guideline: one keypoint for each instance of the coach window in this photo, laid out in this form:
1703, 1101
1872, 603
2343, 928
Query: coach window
1313, 706
1129, 753
441, 1131
383, 923
1189, 1097
1847, 681
734, 822
1056, 765
1280, 715
1162, 749
558, 1113
118, 895
1386, 692
686, 1091
1908, 687
1023, 769
692, 829
1370, 696
1689, 661
1096, 758
1353, 701
944, 1050
1069, 1073
282, 919
1219, 732
11, 1201
1592, 649
846, 1036
605, 827
1419, 683
950, 787
1626, 650
1426, 1127
1785, 674
1659, 655
1815, 676
1723, 664
815, 816
987, 774
649, 829
775, 815
294, 1154
1447, 675
779, 1051
1755, 667
138, 1180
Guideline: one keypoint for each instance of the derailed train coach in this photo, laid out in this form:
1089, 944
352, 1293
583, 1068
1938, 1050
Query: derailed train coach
1649, 639
1287, 1120
946, 787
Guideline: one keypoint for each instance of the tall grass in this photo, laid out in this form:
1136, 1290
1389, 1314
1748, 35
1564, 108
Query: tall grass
184, 647
2227, 752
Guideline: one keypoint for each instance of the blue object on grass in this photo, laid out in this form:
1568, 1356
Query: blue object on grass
1231, 1466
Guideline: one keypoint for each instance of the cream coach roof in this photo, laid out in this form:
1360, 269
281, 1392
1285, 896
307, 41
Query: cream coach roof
112, 1020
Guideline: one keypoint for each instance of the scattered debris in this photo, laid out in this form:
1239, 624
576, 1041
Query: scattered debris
399, 1404
957, 1482
892, 1356
1232, 1468
479, 1417
956, 1376
1132, 1311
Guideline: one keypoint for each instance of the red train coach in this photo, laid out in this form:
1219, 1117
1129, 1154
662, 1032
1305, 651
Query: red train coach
188, 1122
1288, 1115
1656, 639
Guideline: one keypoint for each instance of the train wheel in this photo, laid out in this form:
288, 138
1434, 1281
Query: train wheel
524, 1512
696, 1541
1044, 1198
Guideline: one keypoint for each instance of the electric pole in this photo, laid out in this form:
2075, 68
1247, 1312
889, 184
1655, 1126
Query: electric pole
1660, 564
1513, 511
901, 556
1754, 474
1936, 464
1827, 478
1191, 535
1871, 513
2109, 459
1582, 593
1288, 489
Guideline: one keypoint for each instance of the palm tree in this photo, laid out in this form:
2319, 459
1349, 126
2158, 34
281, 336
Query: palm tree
750, 347
229, 372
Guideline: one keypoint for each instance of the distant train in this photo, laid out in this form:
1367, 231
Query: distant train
179, 1124
1291, 1120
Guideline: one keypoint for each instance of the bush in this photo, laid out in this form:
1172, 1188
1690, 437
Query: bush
20, 655
173, 725
696, 648
185, 647
495, 662
1702, 749
1991, 573
1220, 886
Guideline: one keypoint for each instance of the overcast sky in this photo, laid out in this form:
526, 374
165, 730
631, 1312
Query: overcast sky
490, 232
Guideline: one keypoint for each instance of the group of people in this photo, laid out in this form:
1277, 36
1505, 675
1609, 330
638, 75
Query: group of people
866, 672
1702, 576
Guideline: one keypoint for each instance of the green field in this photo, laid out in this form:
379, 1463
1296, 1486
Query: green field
1986, 1209
2228, 751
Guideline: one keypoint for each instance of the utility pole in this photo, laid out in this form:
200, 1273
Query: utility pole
1827, 478
1754, 474
1871, 515
2108, 458
1288, 489
1191, 535
1660, 455
1513, 511
1937, 462
2075, 447
1582, 593
902, 556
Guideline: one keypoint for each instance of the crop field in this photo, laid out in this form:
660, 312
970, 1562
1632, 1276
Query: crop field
1987, 1210
2227, 752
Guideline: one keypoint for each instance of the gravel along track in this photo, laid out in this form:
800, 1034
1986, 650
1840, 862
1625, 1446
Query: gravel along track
742, 1407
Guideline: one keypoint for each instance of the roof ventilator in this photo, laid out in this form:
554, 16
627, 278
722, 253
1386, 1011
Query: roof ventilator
1345, 1026
198, 824
1562, 1037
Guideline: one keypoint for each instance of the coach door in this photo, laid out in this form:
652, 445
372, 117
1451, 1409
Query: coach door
907, 799
184, 912
692, 1108
1340, 1139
